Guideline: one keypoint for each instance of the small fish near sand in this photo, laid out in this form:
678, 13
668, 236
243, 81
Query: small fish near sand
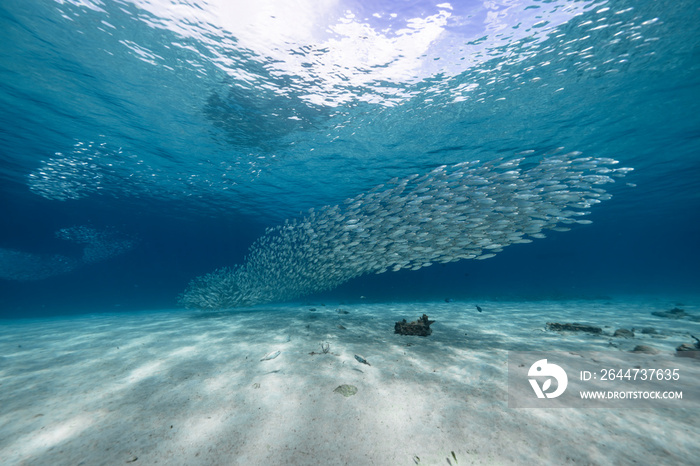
362, 360
478, 308
270, 356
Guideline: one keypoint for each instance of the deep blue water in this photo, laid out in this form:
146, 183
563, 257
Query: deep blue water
186, 128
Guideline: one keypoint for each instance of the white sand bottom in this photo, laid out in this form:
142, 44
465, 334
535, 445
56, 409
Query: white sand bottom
182, 388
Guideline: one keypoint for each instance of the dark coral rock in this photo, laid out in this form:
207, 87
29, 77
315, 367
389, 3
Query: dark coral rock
420, 327
674, 313
574, 327
624, 333
689, 347
686, 350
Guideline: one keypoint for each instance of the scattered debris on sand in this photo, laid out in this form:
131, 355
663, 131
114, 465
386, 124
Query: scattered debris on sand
325, 349
674, 313
573, 327
677, 313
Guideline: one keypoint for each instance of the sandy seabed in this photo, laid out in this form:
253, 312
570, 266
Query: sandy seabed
185, 388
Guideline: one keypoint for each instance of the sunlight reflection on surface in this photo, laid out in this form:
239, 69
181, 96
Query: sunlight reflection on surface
330, 49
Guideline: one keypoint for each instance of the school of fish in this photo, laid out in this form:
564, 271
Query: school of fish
98, 246
470, 210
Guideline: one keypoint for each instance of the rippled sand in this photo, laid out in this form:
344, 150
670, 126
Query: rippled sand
190, 388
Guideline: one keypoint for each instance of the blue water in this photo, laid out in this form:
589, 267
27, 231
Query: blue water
187, 128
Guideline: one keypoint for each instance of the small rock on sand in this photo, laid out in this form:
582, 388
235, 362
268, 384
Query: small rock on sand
686, 350
645, 349
346, 390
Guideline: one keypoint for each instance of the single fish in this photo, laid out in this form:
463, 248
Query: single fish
478, 308
272, 355
362, 360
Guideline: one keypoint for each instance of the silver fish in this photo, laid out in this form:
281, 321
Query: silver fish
272, 355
